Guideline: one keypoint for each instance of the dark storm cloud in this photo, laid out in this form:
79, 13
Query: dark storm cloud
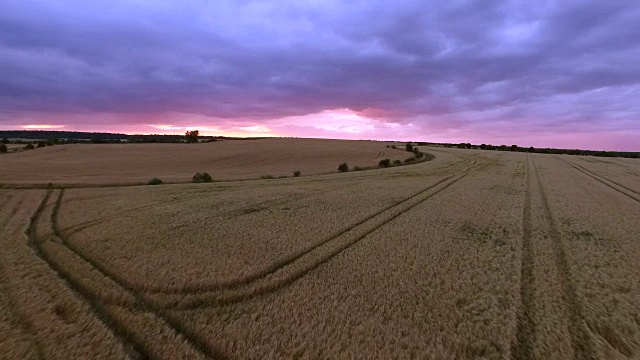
467, 62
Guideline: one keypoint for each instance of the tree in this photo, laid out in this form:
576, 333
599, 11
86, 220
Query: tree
4, 141
409, 147
3, 148
514, 147
343, 167
192, 136
483, 146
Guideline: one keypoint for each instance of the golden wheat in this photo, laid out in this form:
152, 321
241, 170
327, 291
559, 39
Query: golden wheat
476, 254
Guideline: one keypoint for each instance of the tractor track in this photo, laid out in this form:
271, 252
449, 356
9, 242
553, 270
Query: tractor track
98, 309
580, 337
608, 182
19, 320
209, 287
280, 277
127, 337
525, 329
13, 212
283, 262
164, 312
74, 229
246, 280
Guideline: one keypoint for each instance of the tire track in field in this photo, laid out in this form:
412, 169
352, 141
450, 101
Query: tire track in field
525, 330
606, 181
263, 273
119, 327
283, 276
99, 310
18, 319
13, 211
74, 229
580, 338
283, 262
223, 285
87, 224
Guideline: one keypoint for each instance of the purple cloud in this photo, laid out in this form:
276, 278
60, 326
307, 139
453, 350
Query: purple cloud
458, 71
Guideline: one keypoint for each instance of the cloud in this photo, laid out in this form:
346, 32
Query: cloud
447, 70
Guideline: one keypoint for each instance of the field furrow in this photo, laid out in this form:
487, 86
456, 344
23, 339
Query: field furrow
16, 335
402, 293
475, 255
62, 325
525, 332
580, 337
38, 243
133, 326
600, 233
293, 268
215, 225
296, 268
633, 194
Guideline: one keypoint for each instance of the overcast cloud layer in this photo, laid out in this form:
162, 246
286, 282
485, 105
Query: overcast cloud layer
543, 73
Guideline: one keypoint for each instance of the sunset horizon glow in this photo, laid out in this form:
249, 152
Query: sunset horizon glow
555, 74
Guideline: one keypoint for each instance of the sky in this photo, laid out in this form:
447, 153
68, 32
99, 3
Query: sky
532, 73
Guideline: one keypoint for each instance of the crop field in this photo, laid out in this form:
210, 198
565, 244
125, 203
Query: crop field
472, 255
130, 164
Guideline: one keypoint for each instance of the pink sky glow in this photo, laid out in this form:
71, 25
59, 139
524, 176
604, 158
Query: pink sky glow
340, 124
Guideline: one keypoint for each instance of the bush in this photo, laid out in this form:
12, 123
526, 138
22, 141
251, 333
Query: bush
418, 154
385, 163
154, 181
343, 167
394, 147
397, 162
3, 148
267, 177
202, 178
4, 141
29, 147
357, 168
409, 160
409, 147
41, 144
297, 173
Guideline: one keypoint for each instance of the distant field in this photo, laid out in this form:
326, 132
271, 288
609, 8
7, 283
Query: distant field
473, 255
224, 160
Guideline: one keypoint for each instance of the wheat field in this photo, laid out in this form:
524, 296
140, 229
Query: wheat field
131, 164
472, 255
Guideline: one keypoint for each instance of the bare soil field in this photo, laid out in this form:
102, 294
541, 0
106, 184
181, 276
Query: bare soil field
115, 164
473, 255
